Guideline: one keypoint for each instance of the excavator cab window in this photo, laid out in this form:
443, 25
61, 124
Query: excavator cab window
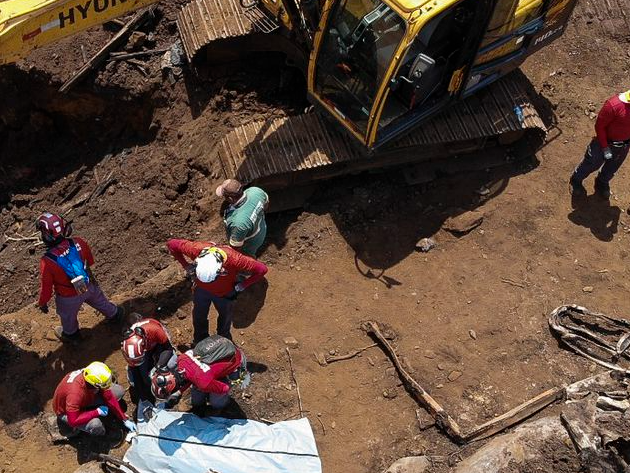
354, 57
424, 75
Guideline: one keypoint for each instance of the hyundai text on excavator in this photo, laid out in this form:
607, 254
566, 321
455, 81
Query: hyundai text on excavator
406, 80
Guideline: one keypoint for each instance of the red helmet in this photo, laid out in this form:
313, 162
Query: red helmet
134, 348
164, 383
53, 227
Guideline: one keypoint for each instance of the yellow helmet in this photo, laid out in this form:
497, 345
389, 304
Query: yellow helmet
98, 375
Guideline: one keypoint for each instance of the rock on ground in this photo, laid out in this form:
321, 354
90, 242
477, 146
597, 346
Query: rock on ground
409, 465
527, 445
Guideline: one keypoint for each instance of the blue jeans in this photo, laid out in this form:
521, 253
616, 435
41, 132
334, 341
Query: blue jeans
139, 378
216, 401
594, 159
202, 300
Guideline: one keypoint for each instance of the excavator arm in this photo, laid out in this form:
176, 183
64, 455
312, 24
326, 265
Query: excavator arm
29, 24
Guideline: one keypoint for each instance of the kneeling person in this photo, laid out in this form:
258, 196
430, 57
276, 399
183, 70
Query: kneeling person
142, 345
211, 369
84, 396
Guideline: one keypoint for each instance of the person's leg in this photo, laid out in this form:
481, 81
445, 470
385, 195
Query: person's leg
225, 308
118, 391
201, 307
142, 379
593, 160
218, 401
611, 166
197, 398
96, 299
68, 310
93, 427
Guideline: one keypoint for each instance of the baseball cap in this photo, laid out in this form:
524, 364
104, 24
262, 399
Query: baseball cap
229, 187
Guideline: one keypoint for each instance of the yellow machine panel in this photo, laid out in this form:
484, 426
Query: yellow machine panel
28, 24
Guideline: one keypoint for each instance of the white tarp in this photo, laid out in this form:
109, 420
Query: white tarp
177, 442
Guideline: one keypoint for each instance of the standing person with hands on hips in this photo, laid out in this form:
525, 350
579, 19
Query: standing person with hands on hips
65, 267
214, 269
609, 149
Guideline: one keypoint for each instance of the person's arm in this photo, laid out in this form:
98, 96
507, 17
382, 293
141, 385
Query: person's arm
113, 403
45, 283
76, 416
182, 249
256, 269
237, 236
203, 379
207, 383
604, 118
86, 252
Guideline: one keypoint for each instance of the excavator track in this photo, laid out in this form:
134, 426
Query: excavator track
202, 22
296, 150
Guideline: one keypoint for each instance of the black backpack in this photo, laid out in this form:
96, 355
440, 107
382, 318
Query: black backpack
214, 348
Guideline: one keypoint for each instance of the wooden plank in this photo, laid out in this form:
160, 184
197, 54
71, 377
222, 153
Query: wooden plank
102, 55
515, 415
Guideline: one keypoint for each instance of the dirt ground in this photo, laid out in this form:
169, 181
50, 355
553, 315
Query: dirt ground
470, 316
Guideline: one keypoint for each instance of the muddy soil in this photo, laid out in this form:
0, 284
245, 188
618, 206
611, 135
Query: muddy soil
144, 144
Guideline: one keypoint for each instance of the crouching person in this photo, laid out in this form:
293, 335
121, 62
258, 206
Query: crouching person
211, 370
84, 396
143, 344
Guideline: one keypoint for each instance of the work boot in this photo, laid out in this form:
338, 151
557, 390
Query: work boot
602, 189
118, 316
577, 188
65, 338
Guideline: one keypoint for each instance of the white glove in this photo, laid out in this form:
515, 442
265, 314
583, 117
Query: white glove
239, 287
607, 154
131, 427
102, 410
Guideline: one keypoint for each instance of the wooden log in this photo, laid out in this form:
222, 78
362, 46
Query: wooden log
442, 418
515, 415
101, 55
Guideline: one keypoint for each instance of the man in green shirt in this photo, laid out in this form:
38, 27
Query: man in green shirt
244, 216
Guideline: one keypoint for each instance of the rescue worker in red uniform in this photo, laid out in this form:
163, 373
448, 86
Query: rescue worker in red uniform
84, 396
609, 149
65, 267
212, 368
142, 345
215, 270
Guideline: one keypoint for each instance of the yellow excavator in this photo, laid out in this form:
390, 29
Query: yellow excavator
392, 81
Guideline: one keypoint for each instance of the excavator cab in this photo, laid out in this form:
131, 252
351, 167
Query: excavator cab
382, 66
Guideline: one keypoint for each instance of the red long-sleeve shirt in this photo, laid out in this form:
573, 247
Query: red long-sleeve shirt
207, 378
52, 276
613, 122
234, 264
73, 395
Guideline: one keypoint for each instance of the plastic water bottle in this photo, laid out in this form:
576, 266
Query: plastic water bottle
519, 114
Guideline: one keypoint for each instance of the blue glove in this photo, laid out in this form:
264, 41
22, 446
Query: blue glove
102, 410
131, 427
